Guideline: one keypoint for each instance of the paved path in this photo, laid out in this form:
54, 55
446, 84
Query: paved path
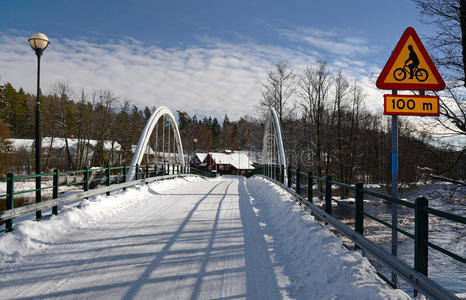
202, 241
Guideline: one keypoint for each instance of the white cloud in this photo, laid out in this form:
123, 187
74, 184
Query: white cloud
213, 78
333, 42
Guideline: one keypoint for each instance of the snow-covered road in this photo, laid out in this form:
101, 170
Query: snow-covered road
227, 238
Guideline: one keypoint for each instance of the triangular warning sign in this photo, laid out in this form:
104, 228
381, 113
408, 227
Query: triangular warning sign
410, 67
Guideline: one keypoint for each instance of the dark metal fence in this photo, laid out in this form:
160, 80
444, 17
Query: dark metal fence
203, 173
298, 179
92, 181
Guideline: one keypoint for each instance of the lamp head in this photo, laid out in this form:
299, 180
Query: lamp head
39, 42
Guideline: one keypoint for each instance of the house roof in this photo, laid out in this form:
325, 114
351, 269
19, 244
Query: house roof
237, 160
17, 144
59, 143
201, 156
149, 149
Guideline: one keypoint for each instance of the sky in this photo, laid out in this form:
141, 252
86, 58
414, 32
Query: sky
202, 57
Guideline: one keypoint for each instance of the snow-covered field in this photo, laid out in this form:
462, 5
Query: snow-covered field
187, 238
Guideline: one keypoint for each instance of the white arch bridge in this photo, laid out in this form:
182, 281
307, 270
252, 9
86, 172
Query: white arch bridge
166, 234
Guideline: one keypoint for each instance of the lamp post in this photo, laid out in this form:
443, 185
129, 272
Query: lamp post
194, 148
39, 43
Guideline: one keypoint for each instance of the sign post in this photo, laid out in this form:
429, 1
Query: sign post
408, 68
395, 189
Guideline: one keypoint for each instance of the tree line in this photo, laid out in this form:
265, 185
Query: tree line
328, 130
71, 114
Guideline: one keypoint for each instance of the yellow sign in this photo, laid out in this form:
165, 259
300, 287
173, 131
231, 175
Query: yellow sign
410, 67
411, 105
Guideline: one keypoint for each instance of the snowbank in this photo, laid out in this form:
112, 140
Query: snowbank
30, 236
316, 263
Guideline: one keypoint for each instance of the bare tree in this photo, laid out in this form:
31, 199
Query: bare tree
449, 49
63, 93
448, 42
278, 89
341, 91
314, 88
104, 115
84, 119
357, 98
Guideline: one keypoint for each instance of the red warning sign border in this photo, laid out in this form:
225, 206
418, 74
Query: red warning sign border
409, 86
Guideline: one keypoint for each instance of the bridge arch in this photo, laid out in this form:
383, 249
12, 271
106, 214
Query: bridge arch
273, 152
161, 112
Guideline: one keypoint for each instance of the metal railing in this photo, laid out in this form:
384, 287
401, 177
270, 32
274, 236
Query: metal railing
203, 173
421, 219
108, 179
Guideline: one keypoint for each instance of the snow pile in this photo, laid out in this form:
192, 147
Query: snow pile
314, 260
30, 236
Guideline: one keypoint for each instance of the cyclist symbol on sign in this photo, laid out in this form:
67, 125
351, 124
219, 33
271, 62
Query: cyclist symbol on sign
421, 74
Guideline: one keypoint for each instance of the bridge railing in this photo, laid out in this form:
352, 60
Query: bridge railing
91, 181
302, 183
196, 171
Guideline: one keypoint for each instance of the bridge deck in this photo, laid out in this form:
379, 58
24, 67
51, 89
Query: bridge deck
205, 240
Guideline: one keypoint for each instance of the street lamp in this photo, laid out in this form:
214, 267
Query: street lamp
194, 148
39, 43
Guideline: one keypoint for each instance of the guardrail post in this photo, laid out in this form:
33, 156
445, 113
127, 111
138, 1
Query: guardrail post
163, 169
421, 236
56, 173
147, 171
298, 181
309, 187
281, 174
328, 195
136, 173
124, 175
10, 199
155, 170
86, 179
289, 176
359, 210
107, 178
